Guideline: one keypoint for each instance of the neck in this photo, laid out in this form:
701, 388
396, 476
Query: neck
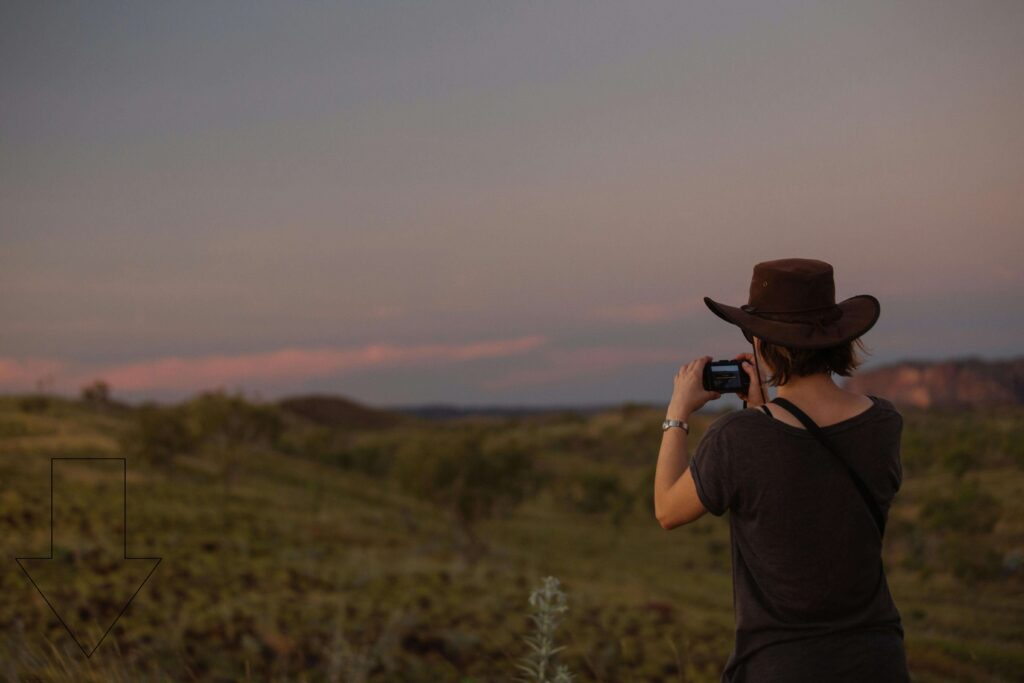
809, 387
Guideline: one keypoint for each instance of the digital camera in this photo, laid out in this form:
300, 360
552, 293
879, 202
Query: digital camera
726, 377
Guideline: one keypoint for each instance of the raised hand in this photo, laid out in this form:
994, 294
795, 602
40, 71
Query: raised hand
754, 399
689, 394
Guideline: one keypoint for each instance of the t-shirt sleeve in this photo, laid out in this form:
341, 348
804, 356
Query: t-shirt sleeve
899, 453
711, 468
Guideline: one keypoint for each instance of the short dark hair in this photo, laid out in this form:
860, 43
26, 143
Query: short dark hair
787, 363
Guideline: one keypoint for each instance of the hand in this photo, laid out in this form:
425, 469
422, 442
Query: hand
754, 399
689, 393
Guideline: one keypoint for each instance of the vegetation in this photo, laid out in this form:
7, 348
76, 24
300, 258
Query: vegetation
302, 549
469, 474
549, 604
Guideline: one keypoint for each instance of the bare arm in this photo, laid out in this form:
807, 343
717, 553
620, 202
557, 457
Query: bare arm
675, 494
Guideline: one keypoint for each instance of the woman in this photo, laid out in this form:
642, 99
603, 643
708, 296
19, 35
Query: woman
807, 515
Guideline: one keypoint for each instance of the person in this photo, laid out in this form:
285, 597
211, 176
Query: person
811, 599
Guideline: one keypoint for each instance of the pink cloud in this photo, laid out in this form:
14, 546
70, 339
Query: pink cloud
25, 374
281, 365
563, 364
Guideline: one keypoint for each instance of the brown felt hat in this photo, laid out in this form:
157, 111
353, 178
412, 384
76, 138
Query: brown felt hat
793, 303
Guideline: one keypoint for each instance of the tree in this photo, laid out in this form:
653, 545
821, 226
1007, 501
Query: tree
96, 393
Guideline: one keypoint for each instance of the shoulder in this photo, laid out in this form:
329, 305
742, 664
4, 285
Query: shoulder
887, 409
736, 421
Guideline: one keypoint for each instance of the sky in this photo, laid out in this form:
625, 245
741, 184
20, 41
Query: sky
501, 203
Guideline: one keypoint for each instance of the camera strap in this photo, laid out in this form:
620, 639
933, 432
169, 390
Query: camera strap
862, 488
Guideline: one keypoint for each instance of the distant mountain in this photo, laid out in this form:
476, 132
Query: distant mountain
336, 411
955, 383
442, 411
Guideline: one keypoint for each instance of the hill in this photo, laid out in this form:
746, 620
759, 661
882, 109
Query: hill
950, 384
299, 557
342, 413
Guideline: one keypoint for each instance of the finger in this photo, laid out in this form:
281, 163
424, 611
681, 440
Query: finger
750, 370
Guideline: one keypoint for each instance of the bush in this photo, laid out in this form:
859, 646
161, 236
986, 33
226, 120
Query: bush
464, 473
549, 605
595, 493
368, 455
971, 560
36, 403
967, 510
960, 524
1012, 446
230, 420
158, 434
959, 461
96, 394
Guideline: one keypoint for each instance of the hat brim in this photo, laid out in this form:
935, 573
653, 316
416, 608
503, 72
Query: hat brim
860, 313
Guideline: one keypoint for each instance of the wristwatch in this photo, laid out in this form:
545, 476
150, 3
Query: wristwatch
668, 424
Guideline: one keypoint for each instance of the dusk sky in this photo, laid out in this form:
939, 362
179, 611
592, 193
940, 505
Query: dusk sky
510, 202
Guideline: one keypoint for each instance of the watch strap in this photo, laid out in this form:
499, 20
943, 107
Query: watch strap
668, 424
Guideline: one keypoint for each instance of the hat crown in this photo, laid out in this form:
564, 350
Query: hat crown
792, 285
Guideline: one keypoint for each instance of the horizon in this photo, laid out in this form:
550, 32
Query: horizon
726, 403
492, 203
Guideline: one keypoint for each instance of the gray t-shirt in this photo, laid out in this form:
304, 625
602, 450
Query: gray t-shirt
809, 589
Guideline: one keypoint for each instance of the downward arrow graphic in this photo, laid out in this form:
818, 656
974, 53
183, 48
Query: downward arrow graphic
88, 579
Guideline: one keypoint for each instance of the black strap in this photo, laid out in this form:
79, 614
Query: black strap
814, 429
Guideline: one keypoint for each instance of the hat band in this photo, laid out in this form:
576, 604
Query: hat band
831, 313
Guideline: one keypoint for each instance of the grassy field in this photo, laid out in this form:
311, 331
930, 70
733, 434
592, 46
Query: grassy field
315, 553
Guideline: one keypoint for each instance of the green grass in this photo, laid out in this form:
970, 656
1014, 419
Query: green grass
299, 570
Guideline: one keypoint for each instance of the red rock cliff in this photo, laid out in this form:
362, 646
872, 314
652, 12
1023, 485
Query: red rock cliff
954, 383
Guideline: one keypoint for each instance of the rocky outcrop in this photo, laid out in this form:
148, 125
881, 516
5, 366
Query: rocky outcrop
956, 383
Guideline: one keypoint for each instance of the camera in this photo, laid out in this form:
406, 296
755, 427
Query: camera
726, 377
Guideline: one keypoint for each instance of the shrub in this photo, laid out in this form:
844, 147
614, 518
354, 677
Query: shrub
464, 473
229, 419
959, 461
158, 434
970, 559
961, 524
549, 605
967, 510
370, 455
96, 393
596, 493
36, 403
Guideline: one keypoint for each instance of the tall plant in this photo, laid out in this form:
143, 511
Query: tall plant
548, 604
